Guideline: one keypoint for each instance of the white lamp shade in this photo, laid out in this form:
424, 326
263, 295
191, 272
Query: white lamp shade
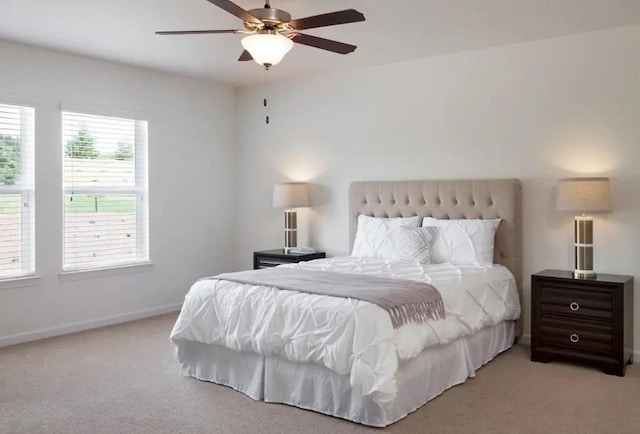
266, 48
291, 195
584, 195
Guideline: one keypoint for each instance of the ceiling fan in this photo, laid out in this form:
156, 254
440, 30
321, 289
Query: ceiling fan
271, 32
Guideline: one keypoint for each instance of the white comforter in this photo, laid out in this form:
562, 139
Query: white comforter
350, 337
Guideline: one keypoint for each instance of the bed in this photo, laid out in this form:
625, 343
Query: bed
383, 375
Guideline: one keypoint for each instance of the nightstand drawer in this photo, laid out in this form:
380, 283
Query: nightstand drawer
579, 303
573, 334
268, 263
275, 257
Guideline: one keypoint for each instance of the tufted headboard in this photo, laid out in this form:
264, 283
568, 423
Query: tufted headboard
470, 199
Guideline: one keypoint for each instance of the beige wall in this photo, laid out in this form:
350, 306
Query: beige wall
190, 162
537, 111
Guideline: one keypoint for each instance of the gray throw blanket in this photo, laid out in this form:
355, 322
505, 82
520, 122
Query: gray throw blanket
406, 301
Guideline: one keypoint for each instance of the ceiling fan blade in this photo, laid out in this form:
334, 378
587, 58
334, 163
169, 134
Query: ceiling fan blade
245, 56
236, 10
331, 19
197, 32
323, 44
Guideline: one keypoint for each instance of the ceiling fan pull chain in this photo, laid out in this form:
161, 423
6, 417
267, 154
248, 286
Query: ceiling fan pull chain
265, 101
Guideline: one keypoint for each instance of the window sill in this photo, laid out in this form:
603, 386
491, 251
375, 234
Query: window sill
67, 276
19, 282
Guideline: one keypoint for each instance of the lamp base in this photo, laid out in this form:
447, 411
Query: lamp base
584, 274
583, 227
290, 230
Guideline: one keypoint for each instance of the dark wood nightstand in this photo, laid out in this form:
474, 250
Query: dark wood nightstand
582, 320
273, 258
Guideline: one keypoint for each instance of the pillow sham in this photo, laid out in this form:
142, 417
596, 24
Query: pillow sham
463, 242
372, 235
411, 244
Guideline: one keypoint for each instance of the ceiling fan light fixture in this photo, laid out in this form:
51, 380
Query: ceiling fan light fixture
267, 49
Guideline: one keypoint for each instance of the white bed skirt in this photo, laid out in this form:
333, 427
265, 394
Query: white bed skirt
241, 371
317, 388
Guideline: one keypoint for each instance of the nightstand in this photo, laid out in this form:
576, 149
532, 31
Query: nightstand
582, 320
273, 258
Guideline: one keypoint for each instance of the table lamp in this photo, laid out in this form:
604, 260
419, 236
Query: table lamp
289, 196
584, 196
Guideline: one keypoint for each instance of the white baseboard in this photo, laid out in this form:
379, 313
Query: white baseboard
524, 340
86, 325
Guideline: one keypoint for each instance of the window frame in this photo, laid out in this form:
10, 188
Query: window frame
26, 188
140, 190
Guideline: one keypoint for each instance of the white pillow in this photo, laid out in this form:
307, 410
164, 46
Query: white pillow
372, 236
463, 242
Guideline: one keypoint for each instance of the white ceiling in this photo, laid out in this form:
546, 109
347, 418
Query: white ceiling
395, 30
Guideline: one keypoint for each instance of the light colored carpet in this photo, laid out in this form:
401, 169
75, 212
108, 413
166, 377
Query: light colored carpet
124, 379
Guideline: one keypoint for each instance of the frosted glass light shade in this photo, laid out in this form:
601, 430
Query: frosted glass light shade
291, 195
266, 48
585, 195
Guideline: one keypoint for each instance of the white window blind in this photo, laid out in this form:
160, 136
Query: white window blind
17, 239
105, 191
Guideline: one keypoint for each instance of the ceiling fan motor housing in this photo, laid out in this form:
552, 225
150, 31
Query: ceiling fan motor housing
269, 16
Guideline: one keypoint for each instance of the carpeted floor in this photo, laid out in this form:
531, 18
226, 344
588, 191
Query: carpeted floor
124, 379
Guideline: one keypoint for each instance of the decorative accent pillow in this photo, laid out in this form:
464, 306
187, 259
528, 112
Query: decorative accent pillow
463, 242
411, 244
372, 236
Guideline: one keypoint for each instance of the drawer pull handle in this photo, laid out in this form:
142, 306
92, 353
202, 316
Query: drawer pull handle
574, 338
574, 306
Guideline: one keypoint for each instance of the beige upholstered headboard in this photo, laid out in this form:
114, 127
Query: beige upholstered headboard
469, 199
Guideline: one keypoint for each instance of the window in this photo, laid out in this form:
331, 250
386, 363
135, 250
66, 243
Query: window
105, 192
17, 240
